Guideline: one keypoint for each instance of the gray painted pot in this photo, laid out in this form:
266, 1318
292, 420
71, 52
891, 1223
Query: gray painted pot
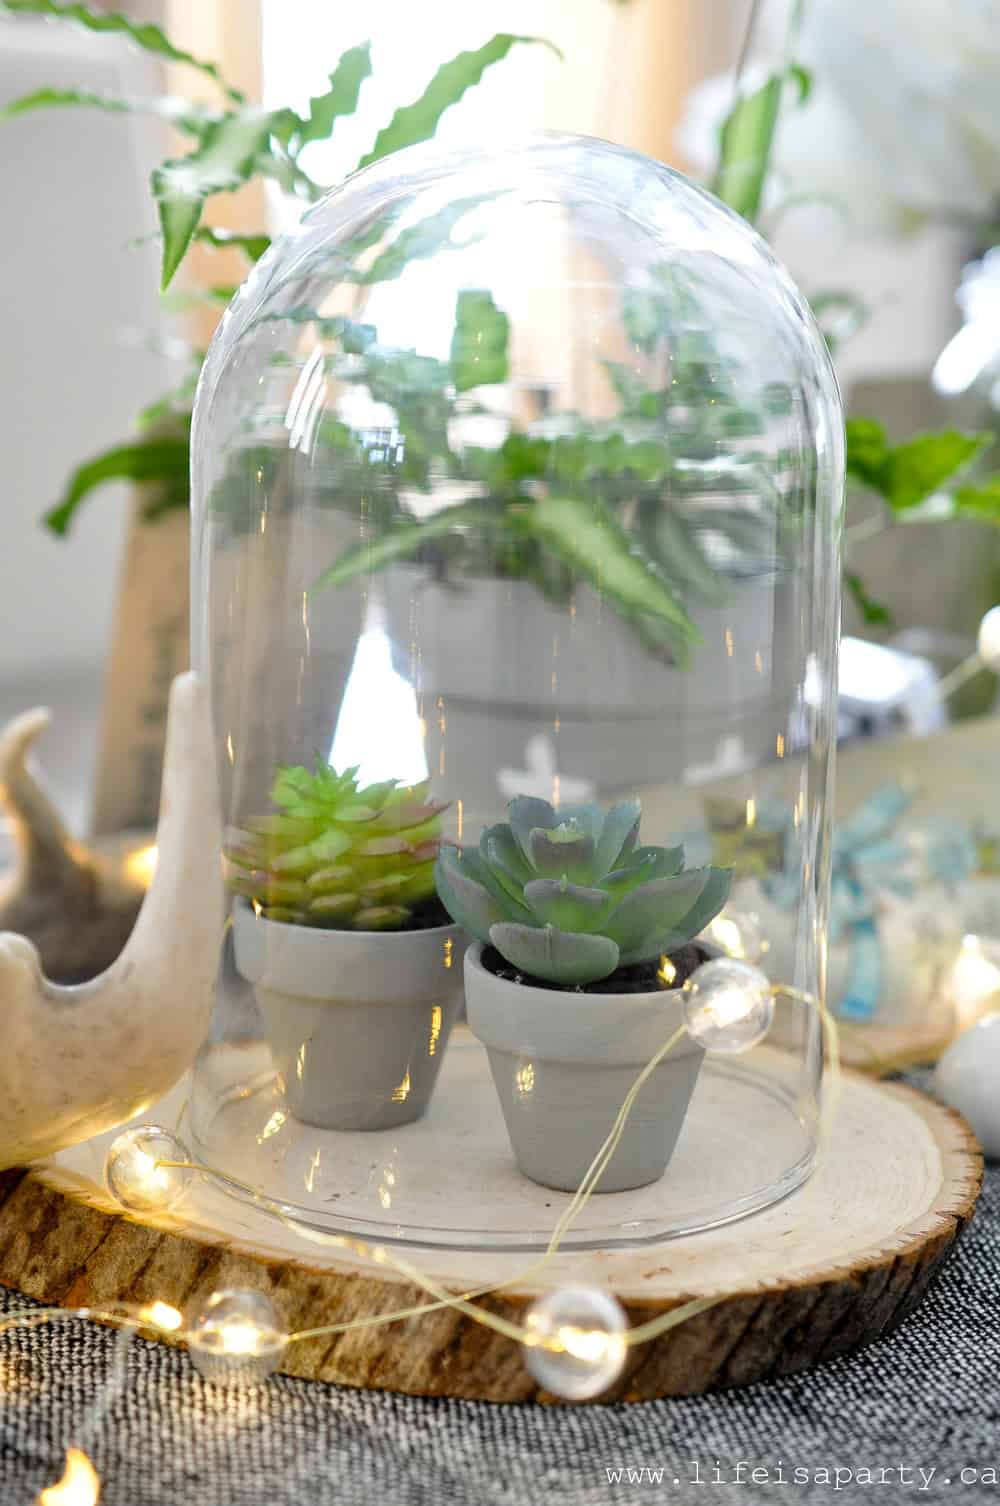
358, 1021
563, 1063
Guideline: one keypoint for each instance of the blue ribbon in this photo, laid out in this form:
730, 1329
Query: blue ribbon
869, 856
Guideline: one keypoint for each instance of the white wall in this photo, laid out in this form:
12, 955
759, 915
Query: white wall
78, 314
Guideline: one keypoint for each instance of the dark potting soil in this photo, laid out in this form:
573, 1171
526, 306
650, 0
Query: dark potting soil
640, 978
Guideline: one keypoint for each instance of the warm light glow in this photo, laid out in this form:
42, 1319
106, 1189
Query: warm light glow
727, 1006
449, 948
524, 1079
666, 972
727, 934
751, 812
591, 1346
161, 1315
141, 865
79, 1486
402, 1093
276, 1122
239, 1336
975, 982
436, 1017
779, 745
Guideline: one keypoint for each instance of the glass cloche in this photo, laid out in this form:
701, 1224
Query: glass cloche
518, 481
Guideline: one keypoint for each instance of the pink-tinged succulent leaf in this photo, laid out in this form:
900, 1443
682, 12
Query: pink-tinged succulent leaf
380, 918
333, 906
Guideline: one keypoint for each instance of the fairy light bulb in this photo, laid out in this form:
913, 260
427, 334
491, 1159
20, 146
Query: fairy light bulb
137, 1170
575, 1345
975, 980
79, 1486
988, 639
237, 1338
728, 1005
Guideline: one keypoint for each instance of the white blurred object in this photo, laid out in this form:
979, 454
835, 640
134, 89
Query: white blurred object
968, 1078
988, 639
974, 352
884, 690
80, 317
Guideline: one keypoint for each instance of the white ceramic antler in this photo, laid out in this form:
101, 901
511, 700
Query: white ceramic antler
78, 1060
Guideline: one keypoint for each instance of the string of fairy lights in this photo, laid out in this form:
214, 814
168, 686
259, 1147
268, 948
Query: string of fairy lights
575, 1339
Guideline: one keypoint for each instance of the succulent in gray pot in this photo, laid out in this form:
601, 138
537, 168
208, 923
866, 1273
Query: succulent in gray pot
584, 942
354, 961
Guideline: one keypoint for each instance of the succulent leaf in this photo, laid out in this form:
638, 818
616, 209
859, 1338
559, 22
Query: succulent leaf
563, 850
618, 836
708, 904
658, 905
571, 907
526, 814
567, 896
335, 854
467, 901
556, 956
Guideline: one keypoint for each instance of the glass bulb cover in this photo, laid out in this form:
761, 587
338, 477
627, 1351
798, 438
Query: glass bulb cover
517, 476
134, 1172
576, 1347
728, 1006
236, 1338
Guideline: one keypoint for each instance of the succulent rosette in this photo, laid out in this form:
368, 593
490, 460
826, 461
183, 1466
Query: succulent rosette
568, 896
335, 854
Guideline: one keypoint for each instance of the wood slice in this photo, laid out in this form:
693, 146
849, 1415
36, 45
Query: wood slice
836, 1265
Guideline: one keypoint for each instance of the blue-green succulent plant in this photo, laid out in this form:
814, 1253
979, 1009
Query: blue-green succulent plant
567, 896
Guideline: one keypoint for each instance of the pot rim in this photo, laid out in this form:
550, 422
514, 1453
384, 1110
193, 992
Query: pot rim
562, 1025
309, 962
290, 926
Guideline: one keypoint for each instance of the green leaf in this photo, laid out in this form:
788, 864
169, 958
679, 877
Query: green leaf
162, 458
591, 541
226, 157
745, 148
406, 539
872, 612
419, 121
917, 469
147, 36
980, 502
252, 246
479, 344
747, 139
44, 99
341, 98
907, 474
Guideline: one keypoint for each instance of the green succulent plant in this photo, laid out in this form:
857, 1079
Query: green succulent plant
567, 896
338, 855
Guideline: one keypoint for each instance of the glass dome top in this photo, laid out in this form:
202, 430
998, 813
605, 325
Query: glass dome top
517, 491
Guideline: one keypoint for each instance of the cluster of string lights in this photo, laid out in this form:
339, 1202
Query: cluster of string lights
575, 1339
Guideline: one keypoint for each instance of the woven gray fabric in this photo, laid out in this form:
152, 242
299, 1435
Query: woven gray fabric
927, 1398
